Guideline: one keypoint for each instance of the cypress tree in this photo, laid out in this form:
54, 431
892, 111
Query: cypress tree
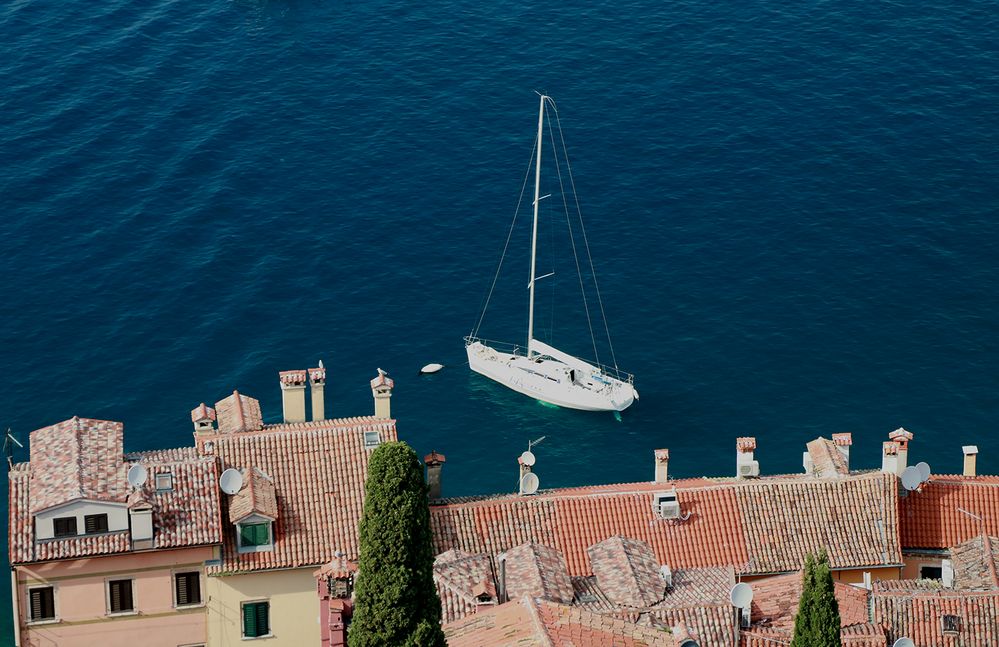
817, 621
395, 600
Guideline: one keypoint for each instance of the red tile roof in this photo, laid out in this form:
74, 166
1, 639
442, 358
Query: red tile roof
537, 571
292, 377
79, 458
238, 413
202, 412
759, 526
932, 517
456, 575
827, 461
775, 602
318, 470
257, 496
186, 515
976, 563
919, 615
627, 571
382, 380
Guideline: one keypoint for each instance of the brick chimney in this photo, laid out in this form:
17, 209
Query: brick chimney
381, 389
203, 418
662, 465
335, 586
293, 395
843, 442
970, 458
434, 463
317, 386
902, 437
889, 457
745, 465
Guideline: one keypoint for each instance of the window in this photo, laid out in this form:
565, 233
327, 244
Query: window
950, 624
95, 523
41, 603
188, 588
256, 619
931, 572
64, 526
254, 534
371, 439
120, 596
164, 482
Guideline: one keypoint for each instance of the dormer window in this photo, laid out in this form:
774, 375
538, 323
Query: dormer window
64, 526
372, 439
255, 536
164, 482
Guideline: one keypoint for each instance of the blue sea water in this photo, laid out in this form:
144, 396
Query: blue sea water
792, 209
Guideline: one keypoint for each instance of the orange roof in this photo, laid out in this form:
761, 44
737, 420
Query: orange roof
920, 616
238, 413
539, 571
627, 571
457, 575
759, 526
975, 563
317, 469
775, 602
932, 517
827, 461
256, 497
202, 412
528, 623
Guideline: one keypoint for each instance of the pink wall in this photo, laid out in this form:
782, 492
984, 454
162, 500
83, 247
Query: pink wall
81, 607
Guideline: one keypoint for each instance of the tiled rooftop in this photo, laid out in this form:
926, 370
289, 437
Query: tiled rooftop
627, 571
238, 413
827, 460
257, 496
932, 516
318, 470
775, 602
759, 526
457, 574
538, 571
976, 563
919, 615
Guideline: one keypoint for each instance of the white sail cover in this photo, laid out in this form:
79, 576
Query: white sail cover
542, 348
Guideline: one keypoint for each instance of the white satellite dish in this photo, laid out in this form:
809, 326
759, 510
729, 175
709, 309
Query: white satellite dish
903, 642
431, 368
529, 483
231, 481
741, 595
910, 478
137, 475
924, 472
527, 458
689, 642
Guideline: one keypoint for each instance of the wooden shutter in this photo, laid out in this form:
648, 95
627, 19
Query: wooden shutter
64, 526
94, 523
263, 619
182, 591
121, 595
188, 588
250, 621
263, 534
42, 603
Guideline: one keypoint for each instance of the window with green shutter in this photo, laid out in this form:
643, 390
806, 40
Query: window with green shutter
256, 619
254, 534
41, 603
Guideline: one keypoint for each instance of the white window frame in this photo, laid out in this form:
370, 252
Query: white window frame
270, 625
201, 589
250, 521
55, 603
164, 475
107, 597
371, 445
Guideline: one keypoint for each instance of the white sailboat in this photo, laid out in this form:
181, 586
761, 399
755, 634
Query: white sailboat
540, 370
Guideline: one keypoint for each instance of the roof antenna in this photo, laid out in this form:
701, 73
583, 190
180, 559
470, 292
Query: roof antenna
529, 481
8, 447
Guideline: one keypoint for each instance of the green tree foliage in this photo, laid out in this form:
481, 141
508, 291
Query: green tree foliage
817, 622
395, 600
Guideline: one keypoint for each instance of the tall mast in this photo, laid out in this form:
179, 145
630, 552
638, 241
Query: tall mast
534, 232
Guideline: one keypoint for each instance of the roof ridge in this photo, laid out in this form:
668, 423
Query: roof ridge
533, 611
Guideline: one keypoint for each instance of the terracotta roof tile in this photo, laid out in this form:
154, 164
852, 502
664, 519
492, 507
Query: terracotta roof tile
775, 602
238, 413
919, 615
538, 571
338, 568
976, 563
456, 575
827, 460
627, 571
202, 412
318, 470
382, 380
257, 496
932, 517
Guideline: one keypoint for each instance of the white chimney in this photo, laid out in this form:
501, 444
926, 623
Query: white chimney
843, 442
662, 465
293, 395
970, 458
381, 389
889, 457
807, 463
140, 521
902, 437
745, 466
317, 386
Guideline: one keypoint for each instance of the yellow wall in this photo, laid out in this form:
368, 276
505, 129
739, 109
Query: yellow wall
294, 607
851, 576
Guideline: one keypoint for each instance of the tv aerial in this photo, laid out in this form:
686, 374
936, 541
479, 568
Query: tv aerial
231, 481
8, 447
137, 475
911, 478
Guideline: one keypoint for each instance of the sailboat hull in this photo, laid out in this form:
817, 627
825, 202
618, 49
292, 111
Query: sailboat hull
550, 380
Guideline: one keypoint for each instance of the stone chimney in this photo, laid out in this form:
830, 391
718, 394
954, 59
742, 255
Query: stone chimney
140, 521
434, 463
203, 418
317, 386
889, 457
381, 389
902, 437
970, 458
843, 442
293, 395
662, 465
745, 465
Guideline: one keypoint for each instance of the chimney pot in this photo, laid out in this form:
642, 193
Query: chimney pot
203, 418
317, 386
293, 395
662, 465
901, 437
889, 457
970, 459
744, 464
381, 389
843, 442
434, 463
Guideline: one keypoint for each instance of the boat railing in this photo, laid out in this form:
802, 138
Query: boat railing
517, 349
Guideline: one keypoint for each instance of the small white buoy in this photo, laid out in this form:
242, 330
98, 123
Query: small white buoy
431, 368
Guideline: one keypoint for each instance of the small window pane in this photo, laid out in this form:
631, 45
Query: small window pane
120, 592
95, 523
164, 481
931, 572
372, 439
42, 603
256, 620
254, 534
64, 526
188, 588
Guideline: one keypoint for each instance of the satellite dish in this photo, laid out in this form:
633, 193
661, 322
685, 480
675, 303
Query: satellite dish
527, 458
137, 475
529, 483
231, 481
910, 478
904, 642
741, 595
924, 472
689, 642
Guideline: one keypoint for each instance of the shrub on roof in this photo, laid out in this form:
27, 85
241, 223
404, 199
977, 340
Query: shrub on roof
817, 621
395, 600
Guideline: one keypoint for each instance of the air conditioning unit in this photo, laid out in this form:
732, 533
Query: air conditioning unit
750, 468
669, 509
